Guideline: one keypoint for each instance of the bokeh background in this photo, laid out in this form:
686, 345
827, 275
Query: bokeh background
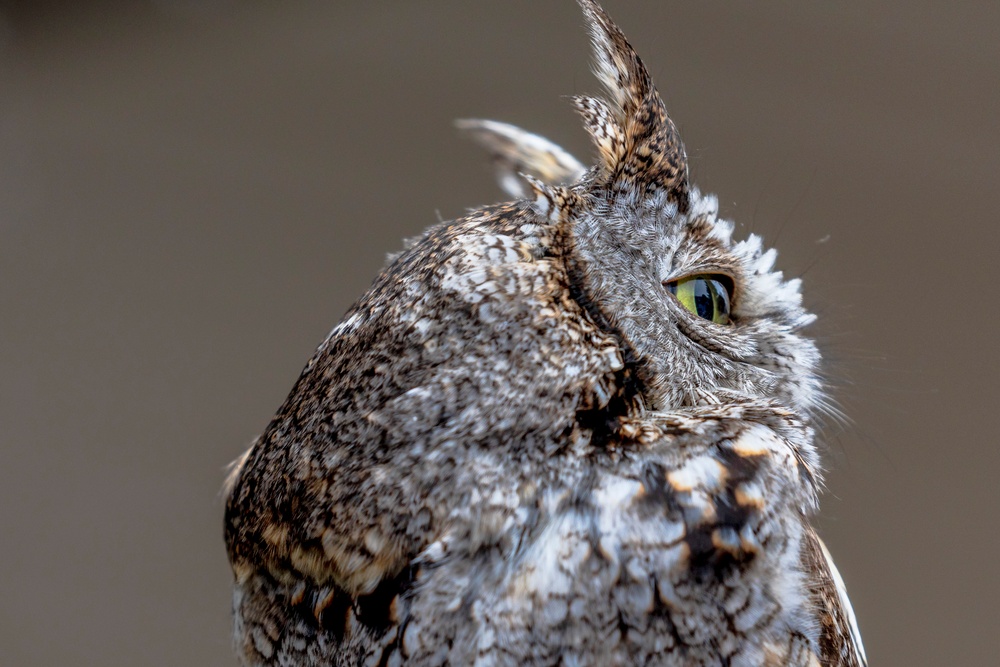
192, 193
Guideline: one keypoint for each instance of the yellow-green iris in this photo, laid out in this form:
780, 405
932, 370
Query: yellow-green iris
706, 295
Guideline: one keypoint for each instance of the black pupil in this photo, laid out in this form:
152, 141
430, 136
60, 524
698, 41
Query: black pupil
703, 299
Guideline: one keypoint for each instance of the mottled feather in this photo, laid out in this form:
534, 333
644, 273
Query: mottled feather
520, 447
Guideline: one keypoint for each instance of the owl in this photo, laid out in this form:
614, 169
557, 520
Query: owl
573, 429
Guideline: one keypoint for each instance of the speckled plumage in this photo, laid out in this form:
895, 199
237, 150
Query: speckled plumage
518, 448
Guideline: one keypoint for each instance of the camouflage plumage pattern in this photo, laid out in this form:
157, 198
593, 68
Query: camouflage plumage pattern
518, 448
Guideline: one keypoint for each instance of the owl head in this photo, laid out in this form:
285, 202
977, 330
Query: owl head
705, 317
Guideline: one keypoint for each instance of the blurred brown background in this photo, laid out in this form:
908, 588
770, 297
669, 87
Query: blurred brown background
192, 193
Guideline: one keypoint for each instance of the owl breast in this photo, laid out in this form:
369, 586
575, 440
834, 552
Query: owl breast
682, 546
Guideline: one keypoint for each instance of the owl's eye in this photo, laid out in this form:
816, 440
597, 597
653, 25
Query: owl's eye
706, 295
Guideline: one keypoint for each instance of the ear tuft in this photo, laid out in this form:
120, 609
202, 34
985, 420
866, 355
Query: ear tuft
516, 152
603, 127
638, 143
